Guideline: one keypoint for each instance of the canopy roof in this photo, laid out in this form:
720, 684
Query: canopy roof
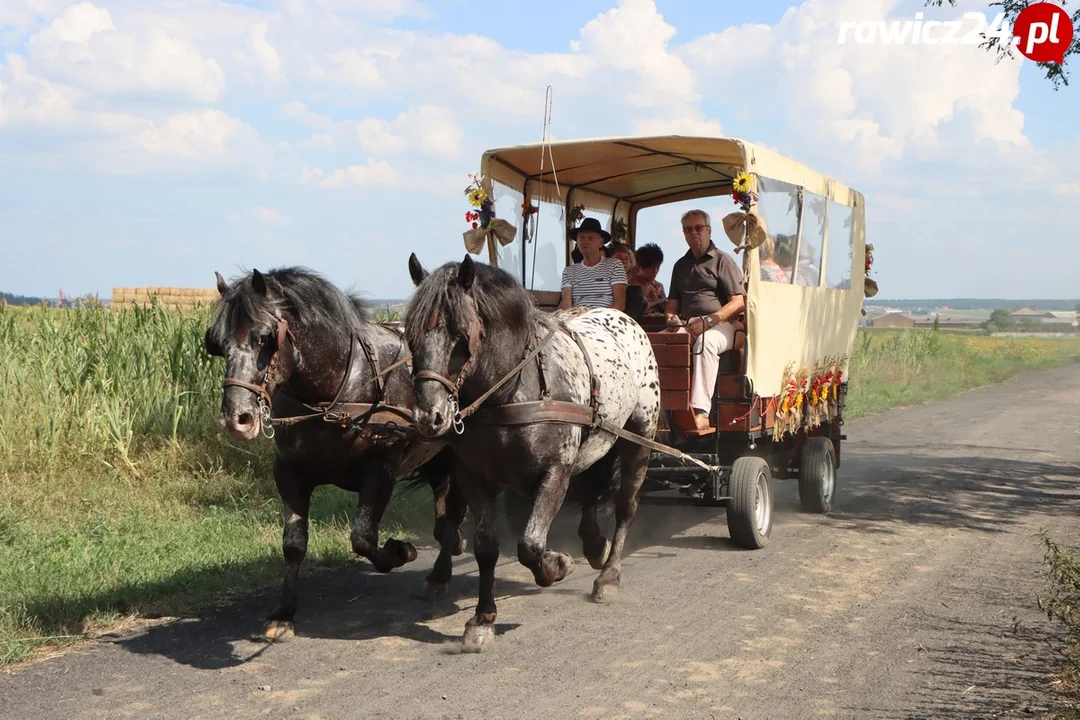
644, 171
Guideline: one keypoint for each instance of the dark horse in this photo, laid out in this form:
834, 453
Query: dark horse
291, 340
469, 325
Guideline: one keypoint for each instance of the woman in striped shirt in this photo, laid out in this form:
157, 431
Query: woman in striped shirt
596, 281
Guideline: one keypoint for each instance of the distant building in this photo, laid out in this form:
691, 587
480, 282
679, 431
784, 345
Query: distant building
892, 320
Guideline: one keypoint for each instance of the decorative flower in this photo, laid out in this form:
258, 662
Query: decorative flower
743, 183
479, 198
527, 208
576, 213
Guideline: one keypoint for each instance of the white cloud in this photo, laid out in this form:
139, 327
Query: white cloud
84, 48
428, 128
265, 52
375, 172
262, 215
301, 112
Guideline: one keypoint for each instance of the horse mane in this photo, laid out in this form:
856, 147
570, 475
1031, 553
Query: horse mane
302, 293
500, 299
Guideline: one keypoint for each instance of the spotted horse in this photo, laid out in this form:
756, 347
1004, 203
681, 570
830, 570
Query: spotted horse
550, 407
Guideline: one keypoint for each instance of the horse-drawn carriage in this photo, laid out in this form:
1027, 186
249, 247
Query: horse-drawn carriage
777, 409
557, 407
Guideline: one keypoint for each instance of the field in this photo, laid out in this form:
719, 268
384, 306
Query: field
120, 497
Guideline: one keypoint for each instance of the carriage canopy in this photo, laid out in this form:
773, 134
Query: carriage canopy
803, 323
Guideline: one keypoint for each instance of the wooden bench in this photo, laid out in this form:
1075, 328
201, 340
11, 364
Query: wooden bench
672, 351
548, 300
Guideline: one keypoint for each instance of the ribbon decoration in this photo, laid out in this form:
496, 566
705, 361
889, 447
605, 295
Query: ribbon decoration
744, 225
497, 229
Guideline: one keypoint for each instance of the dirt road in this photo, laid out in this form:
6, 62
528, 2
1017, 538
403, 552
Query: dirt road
899, 605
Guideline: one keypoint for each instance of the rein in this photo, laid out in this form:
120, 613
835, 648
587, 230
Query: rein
545, 410
344, 414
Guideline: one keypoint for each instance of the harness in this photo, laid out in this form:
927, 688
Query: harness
528, 412
376, 420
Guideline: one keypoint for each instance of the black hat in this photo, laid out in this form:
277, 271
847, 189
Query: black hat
590, 225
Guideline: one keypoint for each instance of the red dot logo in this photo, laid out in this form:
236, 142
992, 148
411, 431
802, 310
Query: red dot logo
1043, 32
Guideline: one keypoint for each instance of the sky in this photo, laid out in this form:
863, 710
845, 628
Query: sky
154, 142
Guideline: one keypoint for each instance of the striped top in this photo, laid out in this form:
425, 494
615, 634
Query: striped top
592, 285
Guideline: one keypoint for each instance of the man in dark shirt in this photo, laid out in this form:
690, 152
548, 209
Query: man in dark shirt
706, 293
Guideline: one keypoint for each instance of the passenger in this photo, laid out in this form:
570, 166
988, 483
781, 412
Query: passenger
770, 269
706, 294
649, 259
635, 295
806, 274
596, 281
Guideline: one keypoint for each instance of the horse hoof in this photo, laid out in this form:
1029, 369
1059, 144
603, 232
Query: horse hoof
566, 565
462, 543
603, 592
279, 630
403, 551
477, 638
597, 560
436, 591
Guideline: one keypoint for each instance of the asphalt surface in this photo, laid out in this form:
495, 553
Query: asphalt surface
914, 599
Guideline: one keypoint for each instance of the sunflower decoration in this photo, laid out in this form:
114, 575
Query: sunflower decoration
742, 191
485, 225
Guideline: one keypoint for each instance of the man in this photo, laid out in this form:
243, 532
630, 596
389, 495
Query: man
707, 294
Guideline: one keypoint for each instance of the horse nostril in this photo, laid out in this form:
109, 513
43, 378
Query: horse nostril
244, 420
437, 418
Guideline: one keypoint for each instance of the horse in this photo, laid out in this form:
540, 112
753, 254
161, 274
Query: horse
300, 358
477, 336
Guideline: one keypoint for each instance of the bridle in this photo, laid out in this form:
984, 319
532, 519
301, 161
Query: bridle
455, 380
276, 373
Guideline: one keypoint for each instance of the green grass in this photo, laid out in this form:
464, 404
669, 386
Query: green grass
894, 368
1060, 600
120, 496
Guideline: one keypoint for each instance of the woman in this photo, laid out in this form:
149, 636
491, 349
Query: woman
636, 304
596, 281
770, 269
649, 258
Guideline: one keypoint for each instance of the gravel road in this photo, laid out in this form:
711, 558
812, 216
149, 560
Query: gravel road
914, 599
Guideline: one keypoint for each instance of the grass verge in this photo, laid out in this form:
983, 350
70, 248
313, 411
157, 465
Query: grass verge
120, 497
891, 368
1061, 603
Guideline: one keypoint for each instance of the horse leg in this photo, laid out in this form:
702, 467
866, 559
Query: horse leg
634, 462
480, 629
593, 543
296, 498
439, 473
375, 494
597, 480
548, 567
451, 542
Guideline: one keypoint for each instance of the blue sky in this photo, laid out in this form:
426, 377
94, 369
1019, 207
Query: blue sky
154, 142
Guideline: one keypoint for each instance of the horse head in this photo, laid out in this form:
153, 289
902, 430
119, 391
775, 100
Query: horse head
251, 331
443, 329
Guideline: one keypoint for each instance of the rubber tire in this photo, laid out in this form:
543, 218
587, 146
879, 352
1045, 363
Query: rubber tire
816, 493
741, 509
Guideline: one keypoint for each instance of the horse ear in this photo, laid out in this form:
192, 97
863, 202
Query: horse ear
258, 282
222, 286
416, 270
467, 273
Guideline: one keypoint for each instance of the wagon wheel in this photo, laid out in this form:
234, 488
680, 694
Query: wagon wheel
817, 475
749, 512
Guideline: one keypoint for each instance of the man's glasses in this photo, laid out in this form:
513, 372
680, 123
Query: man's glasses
687, 229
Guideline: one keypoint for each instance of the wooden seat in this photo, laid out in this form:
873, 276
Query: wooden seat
547, 300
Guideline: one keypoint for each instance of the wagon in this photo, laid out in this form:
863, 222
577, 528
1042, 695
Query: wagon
777, 409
